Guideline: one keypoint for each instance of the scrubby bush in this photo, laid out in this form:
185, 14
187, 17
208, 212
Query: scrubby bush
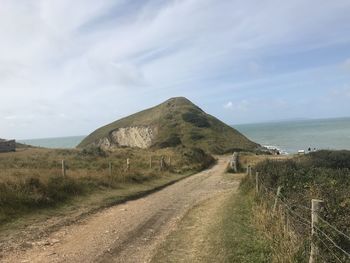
93, 151
198, 156
329, 159
172, 141
196, 119
196, 136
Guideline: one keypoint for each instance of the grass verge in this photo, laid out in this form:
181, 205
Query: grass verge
241, 239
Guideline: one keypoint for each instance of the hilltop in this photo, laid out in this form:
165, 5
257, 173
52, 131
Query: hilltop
176, 122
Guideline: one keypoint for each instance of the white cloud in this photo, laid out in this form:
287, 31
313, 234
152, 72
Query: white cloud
242, 105
89, 60
228, 105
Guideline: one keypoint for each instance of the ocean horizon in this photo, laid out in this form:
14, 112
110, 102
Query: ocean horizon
287, 136
67, 142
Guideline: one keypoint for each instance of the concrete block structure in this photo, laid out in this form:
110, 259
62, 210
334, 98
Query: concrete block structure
7, 146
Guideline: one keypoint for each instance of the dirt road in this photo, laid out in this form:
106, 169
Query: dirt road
130, 232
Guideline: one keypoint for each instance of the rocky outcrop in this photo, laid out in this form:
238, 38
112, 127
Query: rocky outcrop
138, 137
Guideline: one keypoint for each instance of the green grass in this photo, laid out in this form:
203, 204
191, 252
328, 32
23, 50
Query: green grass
241, 239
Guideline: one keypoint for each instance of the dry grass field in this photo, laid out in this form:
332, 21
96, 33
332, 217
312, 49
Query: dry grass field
32, 178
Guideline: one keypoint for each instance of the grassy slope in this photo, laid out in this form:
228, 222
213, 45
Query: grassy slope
198, 130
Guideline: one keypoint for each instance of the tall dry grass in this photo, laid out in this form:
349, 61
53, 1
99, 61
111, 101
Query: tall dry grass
277, 228
32, 178
321, 175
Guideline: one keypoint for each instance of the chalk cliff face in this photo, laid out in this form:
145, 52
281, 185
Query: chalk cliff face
176, 122
139, 137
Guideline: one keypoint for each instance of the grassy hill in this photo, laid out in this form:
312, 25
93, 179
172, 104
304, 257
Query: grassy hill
176, 122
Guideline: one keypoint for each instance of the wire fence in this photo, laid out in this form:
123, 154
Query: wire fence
61, 166
300, 221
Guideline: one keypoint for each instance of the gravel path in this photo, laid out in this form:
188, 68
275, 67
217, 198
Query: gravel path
130, 232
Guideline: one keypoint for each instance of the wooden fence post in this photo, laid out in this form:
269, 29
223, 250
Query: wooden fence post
169, 161
315, 207
276, 199
63, 168
248, 167
257, 182
234, 162
127, 164
150, 162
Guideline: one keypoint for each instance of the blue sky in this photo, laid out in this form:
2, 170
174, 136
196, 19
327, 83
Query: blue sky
68, 67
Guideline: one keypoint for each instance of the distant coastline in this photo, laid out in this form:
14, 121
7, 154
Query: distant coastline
291, 136
288, 136
291, 120
55, 142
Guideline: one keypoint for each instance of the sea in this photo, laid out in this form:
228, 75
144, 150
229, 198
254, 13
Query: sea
286, 136
59, 142
292, 136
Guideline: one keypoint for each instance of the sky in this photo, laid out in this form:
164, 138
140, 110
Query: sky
68, 67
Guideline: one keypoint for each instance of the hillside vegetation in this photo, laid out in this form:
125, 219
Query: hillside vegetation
321, 175
176, 122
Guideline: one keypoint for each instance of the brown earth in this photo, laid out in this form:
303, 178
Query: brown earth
192, 240
130, 232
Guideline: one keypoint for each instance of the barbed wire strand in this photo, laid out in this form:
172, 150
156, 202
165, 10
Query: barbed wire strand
306, 208
292, 205
308, 223
334, 228
293, 212
305, 221
309, 226
302, 222
332, 241
329, 249
274, 194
